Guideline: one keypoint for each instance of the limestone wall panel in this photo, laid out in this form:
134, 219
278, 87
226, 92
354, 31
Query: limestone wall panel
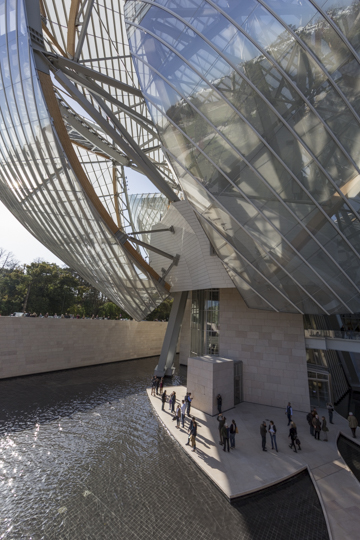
30, 345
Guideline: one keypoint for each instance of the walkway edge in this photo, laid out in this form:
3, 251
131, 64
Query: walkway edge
323, 506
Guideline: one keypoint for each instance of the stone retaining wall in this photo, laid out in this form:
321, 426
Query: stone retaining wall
30, 345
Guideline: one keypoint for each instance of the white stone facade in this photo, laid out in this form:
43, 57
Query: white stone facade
271, 346
197, 268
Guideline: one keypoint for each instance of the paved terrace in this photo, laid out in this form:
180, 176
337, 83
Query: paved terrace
248, 468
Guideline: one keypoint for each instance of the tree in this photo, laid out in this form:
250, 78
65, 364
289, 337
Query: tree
43, 287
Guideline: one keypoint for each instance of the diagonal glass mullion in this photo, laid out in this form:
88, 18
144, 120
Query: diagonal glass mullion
259, 176
262, 97
219, 204
256, 242
278, 158
283, 73
314, 57
336, 29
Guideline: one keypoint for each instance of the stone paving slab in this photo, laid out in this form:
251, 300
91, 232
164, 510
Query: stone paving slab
248, 468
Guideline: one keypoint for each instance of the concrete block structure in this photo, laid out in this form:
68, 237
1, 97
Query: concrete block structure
208, 376
270, 345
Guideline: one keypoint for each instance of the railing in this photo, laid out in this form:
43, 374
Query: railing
335, 334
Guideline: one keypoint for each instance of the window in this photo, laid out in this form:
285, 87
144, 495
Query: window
205, 323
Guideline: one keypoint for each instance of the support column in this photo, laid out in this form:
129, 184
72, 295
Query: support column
167, 356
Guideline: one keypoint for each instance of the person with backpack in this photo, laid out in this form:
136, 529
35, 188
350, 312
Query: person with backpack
233, 431
293, 436
272, 431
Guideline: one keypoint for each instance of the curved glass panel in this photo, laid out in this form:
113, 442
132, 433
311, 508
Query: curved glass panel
40, 187
259, 120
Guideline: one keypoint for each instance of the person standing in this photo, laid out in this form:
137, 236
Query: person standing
309, 419
263, 432
193, 434
189, 430
157, 385
178, 415
293, 436
170, 400
353, 423
189, 400
324, 428
161, 384
225, 437
221, 419
219, 402
233, 431
173, 403
272, 431
153, 386
317, 427
163, 399
330, 409
289, 412
183, 412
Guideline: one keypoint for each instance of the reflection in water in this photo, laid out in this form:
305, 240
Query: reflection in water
84, 457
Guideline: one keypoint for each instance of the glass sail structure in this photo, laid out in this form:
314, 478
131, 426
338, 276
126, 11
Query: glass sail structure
71, 119
257, 104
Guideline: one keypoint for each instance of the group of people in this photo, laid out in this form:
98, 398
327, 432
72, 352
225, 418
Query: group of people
271, 429
227, 433
317, 424
178, 410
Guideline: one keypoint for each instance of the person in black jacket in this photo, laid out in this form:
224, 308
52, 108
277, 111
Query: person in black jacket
263, 432
193, 435
232, 434
221, 419
292, 435
225, 436
219, 402
163, 399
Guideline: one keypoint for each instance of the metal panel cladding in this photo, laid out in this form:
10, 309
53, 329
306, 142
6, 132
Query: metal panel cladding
257, 103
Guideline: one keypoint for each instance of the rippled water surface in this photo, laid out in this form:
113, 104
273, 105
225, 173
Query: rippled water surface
84, 457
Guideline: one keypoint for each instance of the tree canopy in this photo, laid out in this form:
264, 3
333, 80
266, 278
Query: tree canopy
43, 287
